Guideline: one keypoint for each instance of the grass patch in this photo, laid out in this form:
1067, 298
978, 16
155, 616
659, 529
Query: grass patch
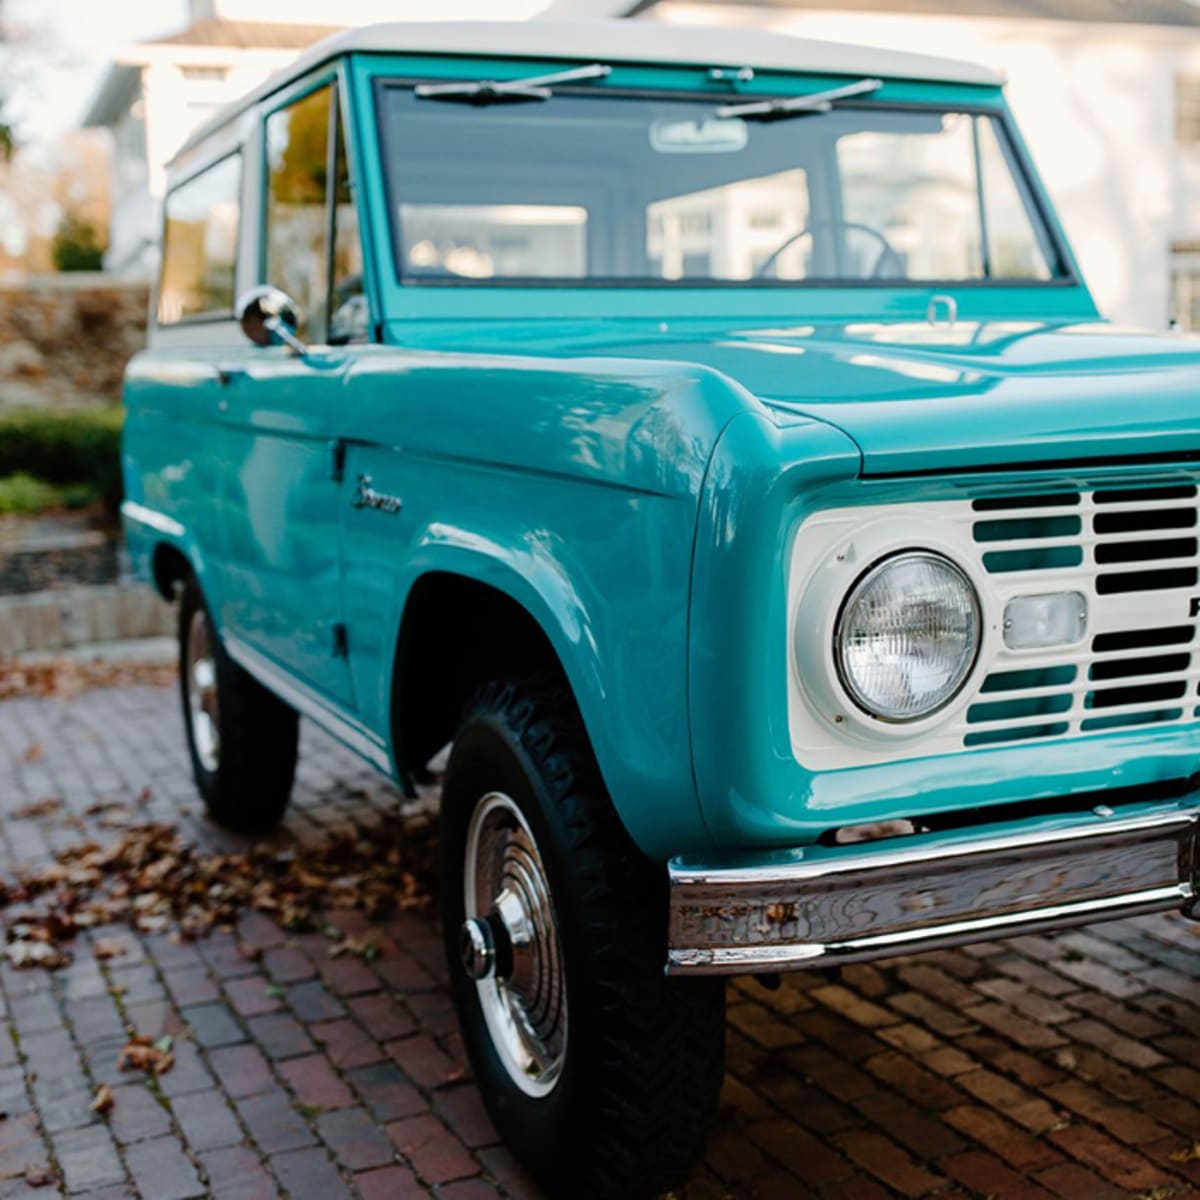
26, 495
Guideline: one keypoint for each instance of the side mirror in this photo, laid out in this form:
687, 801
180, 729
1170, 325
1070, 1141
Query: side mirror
269, 317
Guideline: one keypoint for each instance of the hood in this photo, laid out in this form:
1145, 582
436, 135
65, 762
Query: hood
921, 398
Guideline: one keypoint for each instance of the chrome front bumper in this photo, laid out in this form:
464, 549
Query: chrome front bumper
822, 906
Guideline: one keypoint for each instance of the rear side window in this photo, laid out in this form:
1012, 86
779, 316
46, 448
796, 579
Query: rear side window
200, 239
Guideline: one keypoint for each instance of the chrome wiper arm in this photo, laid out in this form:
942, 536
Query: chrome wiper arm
509, 91
797, 106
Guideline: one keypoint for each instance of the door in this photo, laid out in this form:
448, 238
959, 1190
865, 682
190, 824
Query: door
283, 412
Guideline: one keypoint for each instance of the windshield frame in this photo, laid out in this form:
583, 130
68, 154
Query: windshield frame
1048, 232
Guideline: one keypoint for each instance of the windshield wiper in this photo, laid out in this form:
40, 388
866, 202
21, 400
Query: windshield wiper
509, 91
797, 106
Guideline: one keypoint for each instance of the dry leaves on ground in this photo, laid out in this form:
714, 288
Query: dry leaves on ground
65, 678
104, 1101
153, 880
141, 1053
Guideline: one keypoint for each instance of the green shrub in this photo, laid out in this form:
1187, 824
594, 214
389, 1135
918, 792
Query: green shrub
76, 245
26, 494
80, 446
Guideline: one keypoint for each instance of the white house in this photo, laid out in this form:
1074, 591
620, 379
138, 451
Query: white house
1107, 93
156, 92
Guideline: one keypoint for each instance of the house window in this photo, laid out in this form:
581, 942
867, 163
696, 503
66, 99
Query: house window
1187, 110
211, 74
1185, 285
200, 244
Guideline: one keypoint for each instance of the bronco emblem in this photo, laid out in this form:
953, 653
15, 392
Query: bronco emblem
368, 497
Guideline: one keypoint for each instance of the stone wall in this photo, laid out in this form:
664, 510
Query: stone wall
80, 616
65, 339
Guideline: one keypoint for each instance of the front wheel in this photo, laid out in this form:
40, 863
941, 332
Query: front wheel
601, 1074
242, 739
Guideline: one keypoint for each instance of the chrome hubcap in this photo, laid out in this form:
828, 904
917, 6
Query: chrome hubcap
510, 947
201, 670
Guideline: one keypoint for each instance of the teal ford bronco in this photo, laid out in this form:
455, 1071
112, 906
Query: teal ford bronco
703, 444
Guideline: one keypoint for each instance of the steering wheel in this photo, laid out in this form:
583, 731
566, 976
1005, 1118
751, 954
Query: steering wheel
887, 253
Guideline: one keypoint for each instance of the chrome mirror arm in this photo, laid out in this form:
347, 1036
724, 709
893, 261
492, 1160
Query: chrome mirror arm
279, 327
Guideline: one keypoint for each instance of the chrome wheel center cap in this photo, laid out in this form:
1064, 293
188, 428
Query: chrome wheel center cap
477, 948
509, 945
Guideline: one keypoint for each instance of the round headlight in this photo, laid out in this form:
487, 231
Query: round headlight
907, 636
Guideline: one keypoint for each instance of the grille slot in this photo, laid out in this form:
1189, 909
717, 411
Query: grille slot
1021, 528
1007, 503
1130, 552
1146, 581
1143, 639
1124, 668
1145, 522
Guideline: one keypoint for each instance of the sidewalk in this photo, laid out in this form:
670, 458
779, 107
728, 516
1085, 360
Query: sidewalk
1044, 1067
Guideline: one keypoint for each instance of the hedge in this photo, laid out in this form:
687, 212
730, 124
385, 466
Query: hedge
74, 447
27, 495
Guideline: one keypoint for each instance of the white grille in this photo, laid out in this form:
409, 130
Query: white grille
1133, 554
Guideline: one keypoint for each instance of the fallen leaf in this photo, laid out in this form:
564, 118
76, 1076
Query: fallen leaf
38, 1177
34, 752
106, 948
364, 949
139, 1054
1190, 1154
36, 808
104, 1101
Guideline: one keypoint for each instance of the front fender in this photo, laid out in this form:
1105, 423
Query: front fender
628, 684
571, 486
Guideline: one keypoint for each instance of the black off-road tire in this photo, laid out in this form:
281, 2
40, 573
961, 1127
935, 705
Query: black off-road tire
248, 787
643, 1065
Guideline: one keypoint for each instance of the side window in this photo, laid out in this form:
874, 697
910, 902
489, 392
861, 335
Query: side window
200, 237
297, 202
349, 320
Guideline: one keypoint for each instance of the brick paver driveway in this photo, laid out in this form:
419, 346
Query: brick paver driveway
1040, 1067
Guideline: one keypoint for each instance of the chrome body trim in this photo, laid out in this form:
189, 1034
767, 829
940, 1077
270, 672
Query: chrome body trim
152, 519
823, 906
309, 703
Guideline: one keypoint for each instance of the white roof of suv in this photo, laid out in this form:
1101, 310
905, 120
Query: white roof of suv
616, 41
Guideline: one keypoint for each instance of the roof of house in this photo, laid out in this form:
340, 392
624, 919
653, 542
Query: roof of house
614, 41
1117, 12
247, 35
119, 86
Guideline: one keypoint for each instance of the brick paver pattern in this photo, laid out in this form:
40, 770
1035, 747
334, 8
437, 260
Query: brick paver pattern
1035, 1068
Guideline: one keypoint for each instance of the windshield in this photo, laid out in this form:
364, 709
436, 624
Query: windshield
607, 189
